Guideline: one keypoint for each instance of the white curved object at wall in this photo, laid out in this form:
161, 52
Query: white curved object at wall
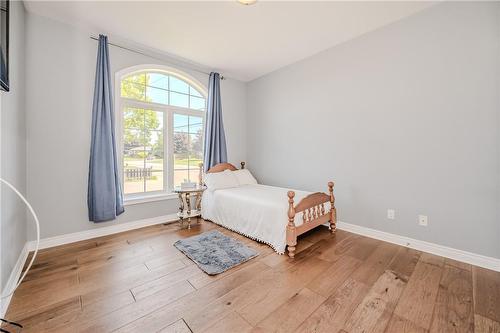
13, 188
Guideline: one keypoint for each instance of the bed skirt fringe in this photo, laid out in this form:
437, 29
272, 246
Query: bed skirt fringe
247, 236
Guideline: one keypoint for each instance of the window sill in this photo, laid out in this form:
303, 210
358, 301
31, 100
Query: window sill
148, 198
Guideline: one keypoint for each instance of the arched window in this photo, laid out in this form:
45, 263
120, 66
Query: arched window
162, 121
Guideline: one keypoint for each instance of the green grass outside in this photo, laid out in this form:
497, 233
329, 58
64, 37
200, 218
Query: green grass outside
139, 180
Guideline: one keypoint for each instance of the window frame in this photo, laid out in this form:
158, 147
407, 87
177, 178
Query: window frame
168, 112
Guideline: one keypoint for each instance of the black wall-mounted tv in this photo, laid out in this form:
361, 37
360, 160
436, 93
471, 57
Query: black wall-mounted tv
4, 45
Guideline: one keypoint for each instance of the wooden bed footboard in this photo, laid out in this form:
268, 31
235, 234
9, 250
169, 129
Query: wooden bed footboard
313, 214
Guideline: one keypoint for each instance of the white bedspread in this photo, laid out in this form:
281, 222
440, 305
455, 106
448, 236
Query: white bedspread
256, 211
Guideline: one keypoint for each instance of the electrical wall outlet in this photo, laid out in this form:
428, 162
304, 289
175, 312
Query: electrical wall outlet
391, 214
422, 220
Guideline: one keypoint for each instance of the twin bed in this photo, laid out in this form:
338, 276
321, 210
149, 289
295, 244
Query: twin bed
234, 200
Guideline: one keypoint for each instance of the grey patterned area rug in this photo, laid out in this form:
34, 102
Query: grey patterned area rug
215, 252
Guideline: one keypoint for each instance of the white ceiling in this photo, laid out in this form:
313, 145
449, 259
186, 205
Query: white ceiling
243, 42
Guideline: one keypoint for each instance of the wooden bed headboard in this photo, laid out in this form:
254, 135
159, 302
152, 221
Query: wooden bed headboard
224, 166
218, 168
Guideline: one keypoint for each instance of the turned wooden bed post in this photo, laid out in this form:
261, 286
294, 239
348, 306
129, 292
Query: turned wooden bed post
291, 236
242, 165
333, 211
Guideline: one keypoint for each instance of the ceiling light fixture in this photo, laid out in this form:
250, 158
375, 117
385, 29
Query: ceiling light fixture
247, 2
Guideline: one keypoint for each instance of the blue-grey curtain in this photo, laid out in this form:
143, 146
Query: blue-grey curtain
105, 196
215, 139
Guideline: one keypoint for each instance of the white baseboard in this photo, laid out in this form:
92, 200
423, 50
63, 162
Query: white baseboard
99, 232
440, 250
15, 274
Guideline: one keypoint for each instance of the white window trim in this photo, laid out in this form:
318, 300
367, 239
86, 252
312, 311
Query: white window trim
168, 111
140, 199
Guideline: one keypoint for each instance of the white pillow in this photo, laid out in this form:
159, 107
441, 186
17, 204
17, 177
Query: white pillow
219, 180
244, 177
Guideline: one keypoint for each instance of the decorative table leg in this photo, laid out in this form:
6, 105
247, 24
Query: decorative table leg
181, 209
198, 206
188, 203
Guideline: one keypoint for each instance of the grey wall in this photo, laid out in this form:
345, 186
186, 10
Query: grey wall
405, 117
60, 79
13, 149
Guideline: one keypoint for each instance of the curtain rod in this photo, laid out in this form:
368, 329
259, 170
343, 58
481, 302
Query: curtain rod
150, 56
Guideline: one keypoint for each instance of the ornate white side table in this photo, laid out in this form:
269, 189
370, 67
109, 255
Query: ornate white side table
186, 209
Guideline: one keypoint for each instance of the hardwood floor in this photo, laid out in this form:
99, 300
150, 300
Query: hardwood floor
137, 281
